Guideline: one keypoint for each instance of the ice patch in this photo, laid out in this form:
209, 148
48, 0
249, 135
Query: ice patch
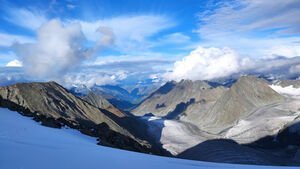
154, 118
177, 137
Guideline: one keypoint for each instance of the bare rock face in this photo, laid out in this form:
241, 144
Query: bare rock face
102, 103
52, 100
180, 100
247, 94
54, 106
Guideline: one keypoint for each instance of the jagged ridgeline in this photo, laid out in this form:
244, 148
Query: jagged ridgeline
52, 105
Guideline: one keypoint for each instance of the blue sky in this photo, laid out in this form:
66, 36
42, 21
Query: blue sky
121, 39
166, 20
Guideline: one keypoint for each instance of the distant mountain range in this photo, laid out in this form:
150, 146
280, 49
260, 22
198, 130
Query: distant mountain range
120, 97
249, 120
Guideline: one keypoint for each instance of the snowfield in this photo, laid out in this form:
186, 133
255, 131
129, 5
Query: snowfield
25, 144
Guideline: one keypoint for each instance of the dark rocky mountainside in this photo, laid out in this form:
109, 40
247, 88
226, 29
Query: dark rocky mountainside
54, 106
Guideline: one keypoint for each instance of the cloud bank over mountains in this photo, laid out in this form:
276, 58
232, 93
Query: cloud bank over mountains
214, 63
206, 64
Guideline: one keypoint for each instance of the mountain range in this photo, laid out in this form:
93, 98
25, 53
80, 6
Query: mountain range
122, 98
251, 121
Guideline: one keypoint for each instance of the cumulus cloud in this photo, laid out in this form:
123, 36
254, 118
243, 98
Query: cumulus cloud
206, 64
215, 63
14, 63
58, 49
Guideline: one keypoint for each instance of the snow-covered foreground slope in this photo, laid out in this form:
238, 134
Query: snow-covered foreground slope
25, 144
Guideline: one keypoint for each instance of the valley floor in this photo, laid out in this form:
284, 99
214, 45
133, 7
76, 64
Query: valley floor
25, 144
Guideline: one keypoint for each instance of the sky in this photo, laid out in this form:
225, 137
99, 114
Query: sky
106, 42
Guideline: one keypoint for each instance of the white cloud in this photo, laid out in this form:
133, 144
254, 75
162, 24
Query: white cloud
206, 64
256, 28
31, 19
177, 37
156, 78
288, 90
131, 32
295, 69
57, 50
90, 79
287, 51
14, 63
248, 15
8, 39
284, 67
215, 63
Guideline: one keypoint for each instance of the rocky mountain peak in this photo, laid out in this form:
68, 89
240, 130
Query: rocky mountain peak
246, 94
